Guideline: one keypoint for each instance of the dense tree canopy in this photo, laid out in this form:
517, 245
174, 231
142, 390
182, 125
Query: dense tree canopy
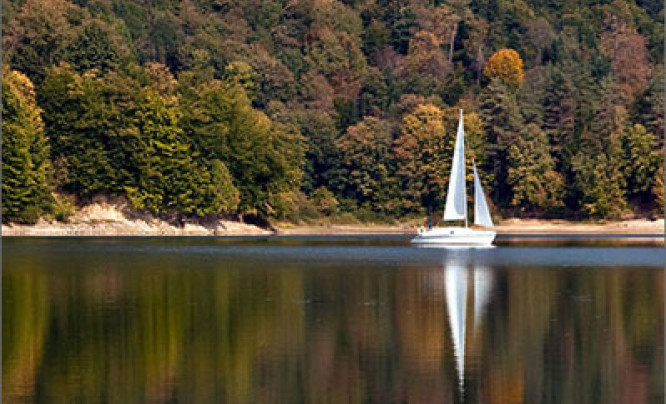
200, 108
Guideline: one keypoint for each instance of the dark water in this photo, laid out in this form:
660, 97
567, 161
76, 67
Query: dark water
331, 320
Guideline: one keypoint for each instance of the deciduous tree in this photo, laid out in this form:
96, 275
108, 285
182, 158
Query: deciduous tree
507, 65
423, 155
365, 165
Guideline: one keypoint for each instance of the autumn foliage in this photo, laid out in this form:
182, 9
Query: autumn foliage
293, 109
506, 64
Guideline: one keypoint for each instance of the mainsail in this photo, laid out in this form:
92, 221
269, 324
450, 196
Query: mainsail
456, 199
481, 213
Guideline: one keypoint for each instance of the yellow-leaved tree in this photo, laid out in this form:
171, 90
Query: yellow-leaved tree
507, 65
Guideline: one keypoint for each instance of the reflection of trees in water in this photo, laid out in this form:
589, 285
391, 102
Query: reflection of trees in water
24, 317
532, 335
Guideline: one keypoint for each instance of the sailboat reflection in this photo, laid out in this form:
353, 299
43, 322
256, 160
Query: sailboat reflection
457, 275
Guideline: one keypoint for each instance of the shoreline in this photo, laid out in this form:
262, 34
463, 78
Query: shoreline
113, 217
153, 227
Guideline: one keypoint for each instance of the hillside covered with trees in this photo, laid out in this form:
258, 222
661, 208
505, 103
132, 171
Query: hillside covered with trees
307, 108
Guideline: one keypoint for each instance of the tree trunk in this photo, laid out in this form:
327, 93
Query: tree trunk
454, 32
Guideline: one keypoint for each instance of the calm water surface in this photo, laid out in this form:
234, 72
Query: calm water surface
331, 320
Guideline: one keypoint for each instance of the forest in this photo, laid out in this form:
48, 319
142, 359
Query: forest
306, 109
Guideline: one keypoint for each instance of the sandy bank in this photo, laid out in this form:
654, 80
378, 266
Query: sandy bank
531, 226
113, 217
510, 226
154, 227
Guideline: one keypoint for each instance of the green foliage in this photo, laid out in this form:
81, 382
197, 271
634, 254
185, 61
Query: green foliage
649, 108
325, 201
365, 169
39, 34
224, 195
81, 114
96, 46
25, 153
264, 158
640, 160
321, 155
598, 164
559, 113
250, 101
423, 154
534, 182
166, 179
601, 182
502, 124
112, 135
64, 206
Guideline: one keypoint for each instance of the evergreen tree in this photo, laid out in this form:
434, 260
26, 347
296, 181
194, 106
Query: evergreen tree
321, 156
597, 165
640, 159
81, 115
25, 190
264, 158
649, 107
168, 180
502, 124
96, 46
601, 182
535, 184
531, 96
559, 115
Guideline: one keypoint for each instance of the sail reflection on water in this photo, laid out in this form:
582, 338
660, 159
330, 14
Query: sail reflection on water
457, 289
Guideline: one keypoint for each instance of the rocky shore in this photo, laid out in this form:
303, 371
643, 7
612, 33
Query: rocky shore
113, 217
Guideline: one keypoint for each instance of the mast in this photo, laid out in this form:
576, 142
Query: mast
456, 197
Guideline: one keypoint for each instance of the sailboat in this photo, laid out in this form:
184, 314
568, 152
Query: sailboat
456, 206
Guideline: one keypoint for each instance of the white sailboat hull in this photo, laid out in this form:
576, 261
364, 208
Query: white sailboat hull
455, 236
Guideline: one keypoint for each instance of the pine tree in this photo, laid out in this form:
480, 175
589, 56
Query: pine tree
535, 185
601, 181
25, 190
559, 115
640, 160
597, 165
649, 107
89, 122
502, 124
168, 181
264, 158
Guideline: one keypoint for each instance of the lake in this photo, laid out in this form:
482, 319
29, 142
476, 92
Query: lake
331, 320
